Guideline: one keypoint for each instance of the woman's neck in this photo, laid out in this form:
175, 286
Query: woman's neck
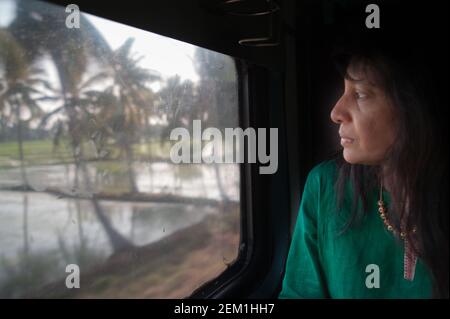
387, 179
390, 184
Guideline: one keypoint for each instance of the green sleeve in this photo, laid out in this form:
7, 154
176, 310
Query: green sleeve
304, 276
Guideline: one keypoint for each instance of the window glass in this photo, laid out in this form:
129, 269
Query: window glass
91, 203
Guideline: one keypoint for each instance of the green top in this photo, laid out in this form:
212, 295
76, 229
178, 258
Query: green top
322, 263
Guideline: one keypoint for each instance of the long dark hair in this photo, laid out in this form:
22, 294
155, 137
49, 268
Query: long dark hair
418, 160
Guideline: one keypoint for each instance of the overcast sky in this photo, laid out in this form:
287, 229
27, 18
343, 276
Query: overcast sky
167, 56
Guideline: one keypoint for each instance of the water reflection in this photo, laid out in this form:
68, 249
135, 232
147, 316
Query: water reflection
67, 234
192, 180
55, 223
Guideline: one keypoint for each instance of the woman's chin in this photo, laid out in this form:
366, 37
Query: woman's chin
352, 158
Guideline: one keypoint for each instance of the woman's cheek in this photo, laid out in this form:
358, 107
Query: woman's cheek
368, 135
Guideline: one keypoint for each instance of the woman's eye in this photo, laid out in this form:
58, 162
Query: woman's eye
360, 95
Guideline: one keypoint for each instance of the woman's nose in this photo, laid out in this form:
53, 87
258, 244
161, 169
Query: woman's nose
339, 113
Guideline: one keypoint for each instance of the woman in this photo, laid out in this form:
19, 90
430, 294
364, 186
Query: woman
373, 222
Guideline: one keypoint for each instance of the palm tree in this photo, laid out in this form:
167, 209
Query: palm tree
179, 107
179, 104
135, 102
80, 107
124, 107
20, 78
70, 52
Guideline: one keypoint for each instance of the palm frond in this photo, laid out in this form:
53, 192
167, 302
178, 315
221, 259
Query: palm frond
47, 116
94, 79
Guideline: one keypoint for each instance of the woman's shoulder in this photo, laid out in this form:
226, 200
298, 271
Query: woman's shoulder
324, 171
322, 176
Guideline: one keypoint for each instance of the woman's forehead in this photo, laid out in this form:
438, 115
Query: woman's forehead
364, 73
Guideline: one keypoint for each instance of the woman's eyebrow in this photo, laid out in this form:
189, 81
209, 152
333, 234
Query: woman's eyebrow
364, 82
351, 79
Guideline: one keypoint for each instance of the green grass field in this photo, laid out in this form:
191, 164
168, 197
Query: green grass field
35, 153
42, 152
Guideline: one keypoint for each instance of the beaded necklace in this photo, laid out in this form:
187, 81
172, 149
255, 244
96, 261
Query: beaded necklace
409, 258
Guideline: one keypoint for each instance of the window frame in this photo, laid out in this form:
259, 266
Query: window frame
261, 90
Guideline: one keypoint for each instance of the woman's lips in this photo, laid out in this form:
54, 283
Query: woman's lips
346, 140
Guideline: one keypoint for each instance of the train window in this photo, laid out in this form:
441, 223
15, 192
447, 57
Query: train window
91, 204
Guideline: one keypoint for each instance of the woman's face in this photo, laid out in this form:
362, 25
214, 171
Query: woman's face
366, 118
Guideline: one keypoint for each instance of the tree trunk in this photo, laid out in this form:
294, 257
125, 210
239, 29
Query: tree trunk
23, 174
20, 142
131, 175
117, 241
78, 209
26, 245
